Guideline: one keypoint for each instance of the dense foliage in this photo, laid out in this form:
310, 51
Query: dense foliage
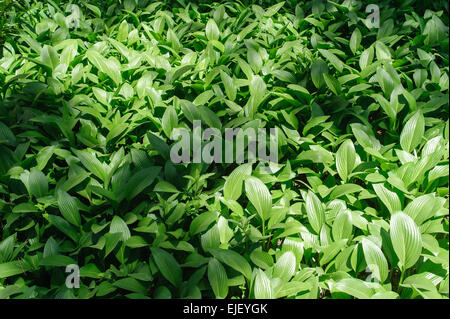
357, 205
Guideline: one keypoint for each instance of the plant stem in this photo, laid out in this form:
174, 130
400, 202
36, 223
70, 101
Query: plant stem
402, 275
264, 232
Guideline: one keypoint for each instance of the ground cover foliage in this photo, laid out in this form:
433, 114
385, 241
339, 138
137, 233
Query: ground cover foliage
357, 206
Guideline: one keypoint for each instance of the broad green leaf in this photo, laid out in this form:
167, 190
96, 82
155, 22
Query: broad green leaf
119, 226
406, 239
62, 225
232, 188
345, 159
345, 189
212, 31
422, 208
259, 195
261, 259
389, 198
49, 57
130, 284
234, 260
285, 266
375, 260
167, 265
110, 66
13, 268
355, 40
342, 225
218, 279
228, 83
262, 288
412, 132
69, 208
354, 287
315, 211
318, 69
141, 180
169, 121
37, 183
333, 59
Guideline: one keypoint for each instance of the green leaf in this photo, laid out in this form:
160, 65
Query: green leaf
90, 161
366, 58
234, 260
232, 188
64, 227
285, 266
201, 222
69, 208
421, 208
365, 137
57, 261
345, 189
412, 132
6, 135
333, 59
342, 225
406, 239
318, 69
217, 278
375, 260
261, 259
130, 284
13, 268
110, 66
212, 31
355, 40
49, 57
119, 226
345, 159
228, 83
315, 211
389, 199
332, 84
140, 181
262, 288
259, 195
169, 121
167, 265
37, 183
354, 287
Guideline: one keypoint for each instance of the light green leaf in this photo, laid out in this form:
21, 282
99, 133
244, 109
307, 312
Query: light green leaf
234, 260
412, 132
218, 279
262, 288
354, 287
345, 159
389, 199
333, 59
342, 225
119, 226
232, 188
375, 260
406, 239
259, 196
315, 211
355, 40
285, 266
